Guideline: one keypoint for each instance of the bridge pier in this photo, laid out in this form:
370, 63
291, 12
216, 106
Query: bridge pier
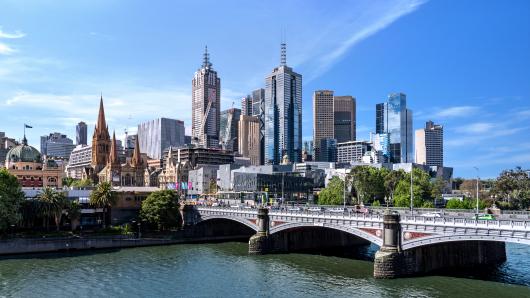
393, 262
260, 243
189, 219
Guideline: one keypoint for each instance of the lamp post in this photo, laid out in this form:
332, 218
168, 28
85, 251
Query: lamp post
344, 190
411, 190
477, 187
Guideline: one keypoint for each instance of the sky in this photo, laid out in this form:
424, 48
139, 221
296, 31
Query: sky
462, 64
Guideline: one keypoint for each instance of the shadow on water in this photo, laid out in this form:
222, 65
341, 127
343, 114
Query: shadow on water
72, 253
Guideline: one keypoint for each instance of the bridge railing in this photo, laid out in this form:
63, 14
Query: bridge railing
503, 224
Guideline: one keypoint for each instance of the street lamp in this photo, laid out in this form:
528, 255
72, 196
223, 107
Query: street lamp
411, 190
477, 187
344, 191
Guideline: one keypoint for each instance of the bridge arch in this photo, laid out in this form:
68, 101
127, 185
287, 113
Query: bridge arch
438, 239
349, 230
242, 221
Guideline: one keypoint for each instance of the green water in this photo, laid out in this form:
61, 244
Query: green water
225, 270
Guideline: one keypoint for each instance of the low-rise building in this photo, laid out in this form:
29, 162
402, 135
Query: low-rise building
352, 151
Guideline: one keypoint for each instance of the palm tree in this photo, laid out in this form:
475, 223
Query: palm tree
74, 213
51, 204
103, 197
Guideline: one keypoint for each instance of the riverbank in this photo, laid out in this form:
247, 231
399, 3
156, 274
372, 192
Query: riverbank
68, 244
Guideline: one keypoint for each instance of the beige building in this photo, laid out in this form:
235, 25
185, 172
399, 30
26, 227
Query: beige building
323, 120
429, 145
249, 138
25, 163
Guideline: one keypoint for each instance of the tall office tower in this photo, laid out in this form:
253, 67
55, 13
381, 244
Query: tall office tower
283, 113
430, 145
394, 118
246, 106
249, 139
258, 110
323, 127
56, 145
228, 129
81, 133
344, 109
206, 105
159, 134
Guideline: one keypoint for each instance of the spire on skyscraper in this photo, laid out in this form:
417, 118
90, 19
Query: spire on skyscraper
206, 60
283, 58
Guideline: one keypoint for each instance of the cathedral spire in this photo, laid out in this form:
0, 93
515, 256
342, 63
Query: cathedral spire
113, 158
136, 158
101, 124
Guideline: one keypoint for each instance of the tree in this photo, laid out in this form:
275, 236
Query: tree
437, 187
51, 205
333, 194
74, 213
82, 183
103, 197
421, 189
11, 199
391, 181
469, 187
513, 186
161, 209
368, 183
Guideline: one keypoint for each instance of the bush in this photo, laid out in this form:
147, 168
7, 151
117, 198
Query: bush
376, 203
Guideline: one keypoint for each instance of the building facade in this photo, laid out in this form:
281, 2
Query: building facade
393, 118
81, 133
323, 127
352, 151
429, 145
80, 160
56, 145
206, 105
229, 129
157, 135
328, 150
258, 110
344, 114
249, 139
283, 114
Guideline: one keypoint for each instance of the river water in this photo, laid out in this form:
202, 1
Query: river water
225, 270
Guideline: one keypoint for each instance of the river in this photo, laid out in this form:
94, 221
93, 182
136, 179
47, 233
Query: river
225, 270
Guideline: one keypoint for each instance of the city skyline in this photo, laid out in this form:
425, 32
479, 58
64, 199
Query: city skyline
483, 112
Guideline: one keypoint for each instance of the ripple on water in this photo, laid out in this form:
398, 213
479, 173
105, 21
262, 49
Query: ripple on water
225, 270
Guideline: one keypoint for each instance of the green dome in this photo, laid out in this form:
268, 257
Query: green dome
23, 153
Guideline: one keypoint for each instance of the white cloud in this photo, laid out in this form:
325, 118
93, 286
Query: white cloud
479, 127
6, 50
458, 111
16, 34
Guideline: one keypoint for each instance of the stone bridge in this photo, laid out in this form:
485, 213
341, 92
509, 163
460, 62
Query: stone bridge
409, 245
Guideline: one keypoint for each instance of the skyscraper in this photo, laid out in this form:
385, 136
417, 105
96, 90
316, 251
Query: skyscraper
258, 110
429, 145
323, 127
229, 129
344, 113
159, 134
283, 113
394, 118
249, 138
81, 133
246, 106
56, 145
206, 105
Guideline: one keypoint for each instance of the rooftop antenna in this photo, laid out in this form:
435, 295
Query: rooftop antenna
283, 59
206, 59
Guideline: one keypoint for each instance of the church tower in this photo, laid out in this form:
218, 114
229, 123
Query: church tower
101, 145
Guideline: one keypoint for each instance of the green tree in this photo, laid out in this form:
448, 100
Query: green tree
368, 183
391, 181
421, 189
513, 186
67, 181
103, 197
82, 183
161, 209
51, 205
333, 194
74, 213
454, 204
437, 187
11, 199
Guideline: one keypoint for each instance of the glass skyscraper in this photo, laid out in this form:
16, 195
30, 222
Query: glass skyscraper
283, 114
393, 118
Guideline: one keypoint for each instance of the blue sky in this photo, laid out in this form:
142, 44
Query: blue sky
463, 64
